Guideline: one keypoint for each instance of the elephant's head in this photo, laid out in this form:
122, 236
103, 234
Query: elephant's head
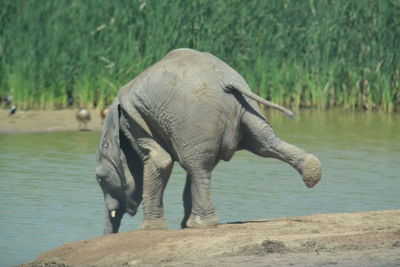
120, 180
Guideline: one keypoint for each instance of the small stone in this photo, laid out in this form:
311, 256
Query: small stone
134, 263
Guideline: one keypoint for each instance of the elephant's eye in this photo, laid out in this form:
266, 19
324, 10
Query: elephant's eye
98, 179
101, 173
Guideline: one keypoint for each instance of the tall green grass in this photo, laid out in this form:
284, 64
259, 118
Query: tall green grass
307, 53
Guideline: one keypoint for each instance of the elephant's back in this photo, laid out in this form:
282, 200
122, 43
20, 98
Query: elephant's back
185, 71
184, 78
182, 100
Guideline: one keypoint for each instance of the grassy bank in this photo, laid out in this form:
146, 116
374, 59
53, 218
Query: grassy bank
299, 53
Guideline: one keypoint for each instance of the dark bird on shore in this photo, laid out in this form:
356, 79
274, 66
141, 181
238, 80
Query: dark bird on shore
7, 100
103, 114
83, 117
12, 110
70, 101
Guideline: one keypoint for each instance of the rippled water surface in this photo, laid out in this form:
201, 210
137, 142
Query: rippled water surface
48, 194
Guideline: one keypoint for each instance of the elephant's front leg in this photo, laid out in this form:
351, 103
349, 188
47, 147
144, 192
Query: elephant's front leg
157, 169
199, 209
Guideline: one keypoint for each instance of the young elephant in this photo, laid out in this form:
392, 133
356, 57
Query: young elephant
192, 108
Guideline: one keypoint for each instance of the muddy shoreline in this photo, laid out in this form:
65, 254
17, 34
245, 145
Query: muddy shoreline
343, 239
36, 121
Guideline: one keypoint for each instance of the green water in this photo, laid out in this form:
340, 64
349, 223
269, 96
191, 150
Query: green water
48, 194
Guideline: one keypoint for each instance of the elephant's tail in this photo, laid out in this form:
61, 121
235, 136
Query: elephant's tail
263, 101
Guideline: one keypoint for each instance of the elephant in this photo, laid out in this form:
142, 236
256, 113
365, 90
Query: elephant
190, 108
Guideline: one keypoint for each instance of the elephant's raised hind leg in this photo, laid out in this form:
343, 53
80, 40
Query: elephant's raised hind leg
260, 139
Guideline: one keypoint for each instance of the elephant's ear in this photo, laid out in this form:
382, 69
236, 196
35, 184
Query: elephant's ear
115, 123
130, 171
117, 137
110, 145
108, 153
110, 140
112, 126
130, 164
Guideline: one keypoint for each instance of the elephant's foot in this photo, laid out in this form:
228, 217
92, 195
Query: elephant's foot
310, 169
196, 221
153, 224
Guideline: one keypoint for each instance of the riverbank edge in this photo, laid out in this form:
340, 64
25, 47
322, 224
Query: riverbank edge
42, 121
45, 121
352, 239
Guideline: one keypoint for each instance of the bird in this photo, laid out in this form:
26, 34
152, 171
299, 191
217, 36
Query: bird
83, 116
103, 114
7, 100
12, 110
70, 101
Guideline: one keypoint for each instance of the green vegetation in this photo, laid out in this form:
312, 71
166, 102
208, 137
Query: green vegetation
300, 53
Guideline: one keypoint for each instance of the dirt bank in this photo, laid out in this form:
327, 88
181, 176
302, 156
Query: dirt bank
345, 239
45, 121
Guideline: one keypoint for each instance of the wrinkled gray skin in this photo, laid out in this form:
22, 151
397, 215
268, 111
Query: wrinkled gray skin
192, 108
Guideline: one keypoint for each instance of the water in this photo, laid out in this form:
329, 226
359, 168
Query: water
48, 194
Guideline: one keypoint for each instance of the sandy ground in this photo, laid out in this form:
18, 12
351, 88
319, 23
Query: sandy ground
344, 239
45, 121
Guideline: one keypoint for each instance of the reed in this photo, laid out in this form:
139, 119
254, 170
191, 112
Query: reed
316, 54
